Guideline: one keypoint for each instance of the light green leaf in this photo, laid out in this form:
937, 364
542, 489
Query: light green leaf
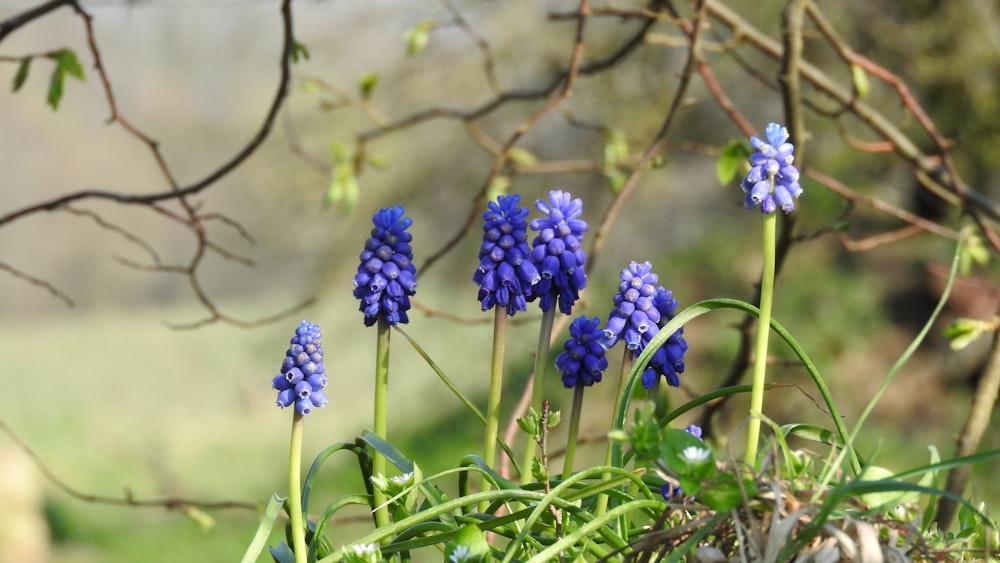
964, 331
728, 165
67, 62
469, 546
367, 84
615, 148
522, 156
859, 78
298, 52
56, 83
418, 36
22, 73
726, 494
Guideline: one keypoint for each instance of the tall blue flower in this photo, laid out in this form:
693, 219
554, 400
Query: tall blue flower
557, 252
773, 181
386, 276
303, 375
583, 361
641, 308
506, 275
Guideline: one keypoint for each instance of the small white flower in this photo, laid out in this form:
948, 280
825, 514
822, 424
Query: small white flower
379, 481
362, 553
694, 454
461, 554
403, 480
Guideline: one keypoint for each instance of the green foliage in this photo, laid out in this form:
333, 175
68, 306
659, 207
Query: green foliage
418, 36
22, 73
298, 52
66, 64
734, 154
342, 189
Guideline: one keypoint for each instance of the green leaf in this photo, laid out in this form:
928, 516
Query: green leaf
885, 499
973, 252
471, 546
418, 36
298, 52
859, 79
367, 84
615, 148
522, 156
963, 331
56, 83
725, 493
67, 62
728, 165
686, 455
22, 74
263, 529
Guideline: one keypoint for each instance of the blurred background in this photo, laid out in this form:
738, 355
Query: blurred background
115, 402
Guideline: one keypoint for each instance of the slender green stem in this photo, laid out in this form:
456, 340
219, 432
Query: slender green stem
295, 489
763, 331
628, 358
496, 387
574, 431
538, 386
381, 418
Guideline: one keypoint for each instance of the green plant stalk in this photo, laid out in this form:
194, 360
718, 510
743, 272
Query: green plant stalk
381, 412
628, 358
538, 386
763, 331
496, 387
574, 431
295, 489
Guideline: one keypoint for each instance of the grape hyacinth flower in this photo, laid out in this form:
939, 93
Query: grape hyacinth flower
557, 253
773, 181
583, 361
302, 376
640, 309
386, 277
506, 275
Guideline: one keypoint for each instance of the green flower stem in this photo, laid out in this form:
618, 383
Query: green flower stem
628, 358
381, 408
574, 431
538, 386
763, 331
496, 387
295, 489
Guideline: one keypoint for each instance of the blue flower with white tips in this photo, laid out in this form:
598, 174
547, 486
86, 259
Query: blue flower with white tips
386, 277
583, 362
641, 308
773, 181
303, 375
557, 251
506, 275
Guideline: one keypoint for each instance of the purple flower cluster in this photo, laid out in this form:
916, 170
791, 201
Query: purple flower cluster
506, 275
557, 253
773, 181
302, 376
583, 361
640, 309
386, 276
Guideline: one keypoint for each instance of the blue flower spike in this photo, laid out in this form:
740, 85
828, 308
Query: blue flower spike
506, 275
557, 251
583, 362
303, 375
773, 181
641, 308
386, 277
